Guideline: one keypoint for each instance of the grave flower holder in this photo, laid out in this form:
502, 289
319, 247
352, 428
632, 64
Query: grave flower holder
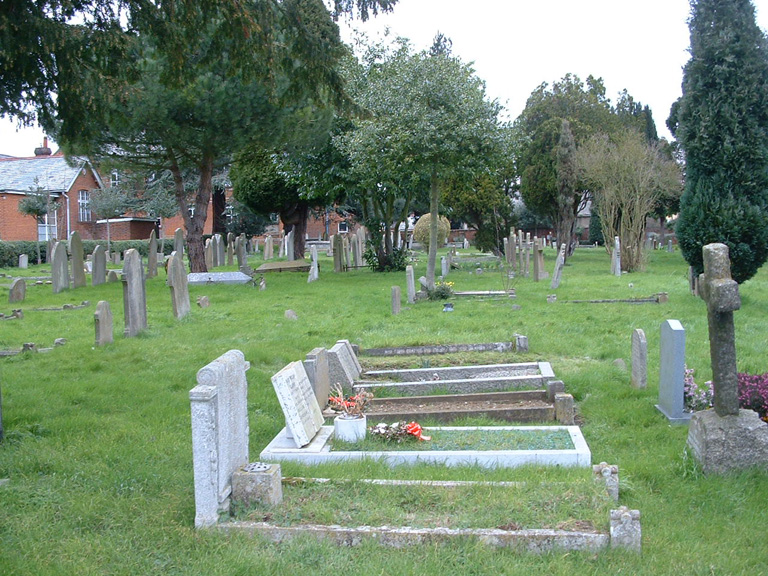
349, 428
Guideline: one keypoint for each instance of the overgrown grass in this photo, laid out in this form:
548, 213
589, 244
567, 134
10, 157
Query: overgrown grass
98, 451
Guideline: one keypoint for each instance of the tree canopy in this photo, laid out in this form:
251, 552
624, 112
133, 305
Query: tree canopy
721, 123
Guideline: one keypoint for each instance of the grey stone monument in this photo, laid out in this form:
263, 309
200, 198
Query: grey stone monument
59, 268
152, 256
134, 294
639, 359
102, 320
178, 241
289, 248
23, 261
316, 367
725, 438
221, 257
410, 282
672, 373
18, 291
268, 248
396, 300
219, 409
178, 283
297, 399
99, 266
230, 249
559, 263
78, 267
314, 273
208, 254
338, 253
616, 257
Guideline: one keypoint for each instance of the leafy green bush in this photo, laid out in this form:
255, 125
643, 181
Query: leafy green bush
442, 291
421, 230
10, 251
381, 262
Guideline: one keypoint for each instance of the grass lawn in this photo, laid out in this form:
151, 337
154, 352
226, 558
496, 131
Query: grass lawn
98, 451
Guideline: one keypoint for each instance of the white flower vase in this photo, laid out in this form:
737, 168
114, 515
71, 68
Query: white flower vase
350, 429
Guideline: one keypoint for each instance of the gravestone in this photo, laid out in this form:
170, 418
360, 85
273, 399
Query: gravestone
520, 240
102, 320
177, 281
526, 271
639, 359
134, 294
230, 249
343, 365
18, 291
112, 276
444, 267
672, 373
178, 241
240, 254
98, 266
506, 251
726, 438
23, 261
314, 273
354, 247
59, 268
316, 367
268, 248
297, 399
410, 282
347, 259
670, 247
219, 409
396, 300
220, 250
338, 253
616, 257
152, 256
202, 278
208, 254
116, 258
76, 252
289, 247
559, 263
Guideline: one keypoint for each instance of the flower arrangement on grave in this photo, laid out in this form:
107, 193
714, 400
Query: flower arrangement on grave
349, 407
399, 432
442, 291
695, 398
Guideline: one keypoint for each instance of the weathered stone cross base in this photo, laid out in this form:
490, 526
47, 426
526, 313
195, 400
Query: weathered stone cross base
723, 444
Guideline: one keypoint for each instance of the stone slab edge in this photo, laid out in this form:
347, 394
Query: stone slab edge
440, 349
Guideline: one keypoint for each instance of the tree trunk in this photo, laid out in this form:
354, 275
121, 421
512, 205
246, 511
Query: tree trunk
295, 220
434, 198
195, 223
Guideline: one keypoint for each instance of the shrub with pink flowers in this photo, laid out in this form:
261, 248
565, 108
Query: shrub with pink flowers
695, 398
753, 393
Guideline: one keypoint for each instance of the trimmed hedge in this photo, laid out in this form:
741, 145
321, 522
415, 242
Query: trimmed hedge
10, 251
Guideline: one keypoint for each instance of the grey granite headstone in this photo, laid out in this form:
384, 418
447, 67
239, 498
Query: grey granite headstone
639, 359
208, 251
338, 253
219, 410
616, 257
102, 320
314, 273
18, 291
396, 300
99, 266
152, 256
134, 294
178, 240
340, 366
59, 268
198, 278
289, 255
23, 261
410, 282
177, 281
112, 276
444, 266
78, 268
268, 248
297, 399
221, 257
230, 249
672, 372
316, 366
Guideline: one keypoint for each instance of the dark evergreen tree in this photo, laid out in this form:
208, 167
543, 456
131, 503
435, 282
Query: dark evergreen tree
721, 122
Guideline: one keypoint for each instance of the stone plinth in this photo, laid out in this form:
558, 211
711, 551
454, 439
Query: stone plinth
257, 483
721, 444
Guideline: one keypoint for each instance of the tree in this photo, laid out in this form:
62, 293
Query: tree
627, 175
37, 203
721, 123
587, 111
196, 81
109, 203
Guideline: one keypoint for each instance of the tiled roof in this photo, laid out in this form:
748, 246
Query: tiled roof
53, 173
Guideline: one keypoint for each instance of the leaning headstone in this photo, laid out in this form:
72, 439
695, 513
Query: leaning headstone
76, 252
23, 261
178, 283
316, 367
410, 283
18, 291
672, 372
152, 256
396, 300
297, 399
314, 273
341, 367
559, 263
219, 409
59, 268
178, 241
98, 266
134, 294
102, 320
639, 359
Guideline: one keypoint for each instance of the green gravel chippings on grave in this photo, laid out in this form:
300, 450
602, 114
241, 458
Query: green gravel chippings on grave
479, 440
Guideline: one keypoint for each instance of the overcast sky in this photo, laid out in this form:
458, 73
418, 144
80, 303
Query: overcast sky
516, 45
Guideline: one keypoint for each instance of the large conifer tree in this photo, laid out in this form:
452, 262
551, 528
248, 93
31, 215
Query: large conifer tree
721, 122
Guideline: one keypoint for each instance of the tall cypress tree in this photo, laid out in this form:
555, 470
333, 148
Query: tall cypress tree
721, 122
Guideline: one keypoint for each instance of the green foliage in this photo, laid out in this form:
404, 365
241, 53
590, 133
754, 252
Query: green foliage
421, 230
441, 291
10, 252
595, 229
721, 122
380, 261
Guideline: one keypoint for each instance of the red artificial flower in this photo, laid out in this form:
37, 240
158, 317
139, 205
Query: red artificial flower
415, 429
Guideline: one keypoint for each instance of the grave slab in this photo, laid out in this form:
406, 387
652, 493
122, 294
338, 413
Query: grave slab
202, 278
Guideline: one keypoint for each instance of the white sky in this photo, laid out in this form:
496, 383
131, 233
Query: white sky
516, 45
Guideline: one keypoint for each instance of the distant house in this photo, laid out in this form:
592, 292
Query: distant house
67, 181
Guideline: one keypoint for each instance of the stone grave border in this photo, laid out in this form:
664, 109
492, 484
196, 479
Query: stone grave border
512, 346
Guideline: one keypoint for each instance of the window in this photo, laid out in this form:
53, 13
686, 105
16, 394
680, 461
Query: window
83, 206
114, 179
343, 227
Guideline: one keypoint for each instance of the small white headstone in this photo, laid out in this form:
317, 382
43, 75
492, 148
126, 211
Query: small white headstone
297, 399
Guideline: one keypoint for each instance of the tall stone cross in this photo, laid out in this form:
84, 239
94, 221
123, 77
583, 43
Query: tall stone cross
721, 293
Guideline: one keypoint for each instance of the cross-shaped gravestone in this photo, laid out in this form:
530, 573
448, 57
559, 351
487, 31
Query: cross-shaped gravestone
721, 293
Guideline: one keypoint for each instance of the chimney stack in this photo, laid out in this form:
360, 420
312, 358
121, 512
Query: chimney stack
43, 150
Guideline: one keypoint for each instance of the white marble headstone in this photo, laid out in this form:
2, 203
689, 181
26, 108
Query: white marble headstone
297, 399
